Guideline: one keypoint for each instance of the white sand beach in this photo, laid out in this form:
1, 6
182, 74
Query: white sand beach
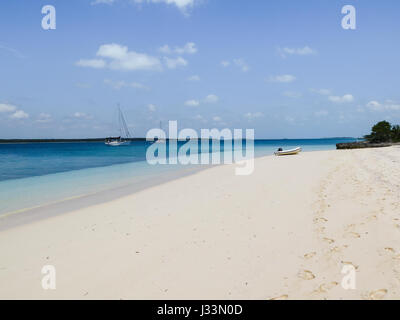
284, 232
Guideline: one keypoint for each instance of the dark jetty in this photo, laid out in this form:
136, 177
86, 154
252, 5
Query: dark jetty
362, 145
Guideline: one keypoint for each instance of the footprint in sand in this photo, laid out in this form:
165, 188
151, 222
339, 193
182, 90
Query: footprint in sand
320, 220
335, 249
282, 297
330, 241
354, 235
327, 286
350, 227
306, 275
378, 294
350, 264
339, 249
309, 255
321, 229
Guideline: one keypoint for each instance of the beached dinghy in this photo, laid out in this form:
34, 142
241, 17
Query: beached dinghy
288, 152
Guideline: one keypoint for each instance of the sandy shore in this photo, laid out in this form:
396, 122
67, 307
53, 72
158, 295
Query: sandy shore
284, 232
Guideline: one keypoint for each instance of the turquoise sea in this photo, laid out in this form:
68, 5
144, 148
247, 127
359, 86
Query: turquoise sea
34, 174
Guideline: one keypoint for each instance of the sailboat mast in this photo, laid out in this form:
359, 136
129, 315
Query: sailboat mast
120, 121
123, 126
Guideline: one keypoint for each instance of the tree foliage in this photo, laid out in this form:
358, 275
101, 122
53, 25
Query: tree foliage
384, 132
396, 133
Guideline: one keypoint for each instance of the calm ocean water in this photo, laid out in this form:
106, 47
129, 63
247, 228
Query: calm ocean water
33, 174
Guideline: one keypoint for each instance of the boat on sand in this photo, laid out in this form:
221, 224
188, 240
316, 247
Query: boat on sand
294, 151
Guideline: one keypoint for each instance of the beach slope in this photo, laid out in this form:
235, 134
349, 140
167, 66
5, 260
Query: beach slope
288, 231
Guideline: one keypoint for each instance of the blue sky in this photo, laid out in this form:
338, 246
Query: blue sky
285, 68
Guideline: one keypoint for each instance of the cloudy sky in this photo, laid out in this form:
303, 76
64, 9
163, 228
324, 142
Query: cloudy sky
285, 68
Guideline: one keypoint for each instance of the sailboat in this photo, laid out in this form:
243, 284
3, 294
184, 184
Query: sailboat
125, 135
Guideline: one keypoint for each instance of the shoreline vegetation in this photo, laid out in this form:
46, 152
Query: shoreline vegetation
383, 134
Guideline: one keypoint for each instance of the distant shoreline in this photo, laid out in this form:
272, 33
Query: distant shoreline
5, 141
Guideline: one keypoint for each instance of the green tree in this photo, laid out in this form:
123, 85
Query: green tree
396, 133
381, 132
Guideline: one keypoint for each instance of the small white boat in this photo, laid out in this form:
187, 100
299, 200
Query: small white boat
288, 152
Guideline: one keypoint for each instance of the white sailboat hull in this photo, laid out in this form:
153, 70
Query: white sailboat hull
117, 143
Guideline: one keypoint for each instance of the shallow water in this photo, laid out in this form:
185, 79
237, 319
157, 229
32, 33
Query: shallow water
40, 173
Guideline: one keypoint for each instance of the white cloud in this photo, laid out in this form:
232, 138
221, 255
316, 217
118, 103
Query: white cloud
344, 99
292, 94
323, 92
120, 58
240, 63
386, 106
95, 2
151, 108
174, 63
285, 78
165, 49
19, 114
13, 111
82, 115
44, 118
113, 51
321, 113
290, 119
374, 105
255, 115
182, 5
5, 107
188, 48
194, 78
217, 119
296, 51
336, 99
192, 103
91, 63
225, 63
122, 84
211, 98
